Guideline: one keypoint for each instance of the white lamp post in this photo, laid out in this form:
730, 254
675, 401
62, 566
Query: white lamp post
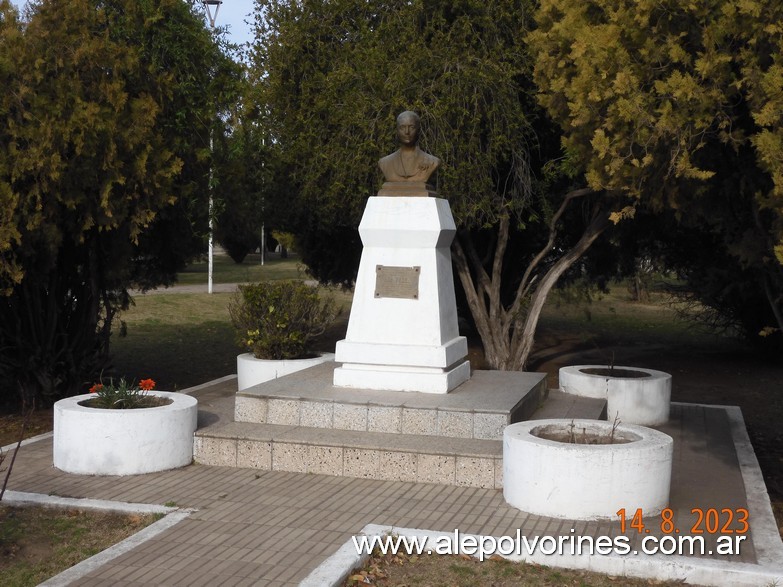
212, 7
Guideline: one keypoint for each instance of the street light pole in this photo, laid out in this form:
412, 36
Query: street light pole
210, 5
210, 246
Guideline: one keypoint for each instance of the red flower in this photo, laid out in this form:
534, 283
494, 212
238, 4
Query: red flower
147, 384
96, 388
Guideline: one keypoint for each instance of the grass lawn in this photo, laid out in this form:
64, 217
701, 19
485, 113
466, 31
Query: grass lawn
37, 543
466, 571
224, 270
179, 340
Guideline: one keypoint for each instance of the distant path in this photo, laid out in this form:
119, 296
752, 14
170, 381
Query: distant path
194, 288
201, 288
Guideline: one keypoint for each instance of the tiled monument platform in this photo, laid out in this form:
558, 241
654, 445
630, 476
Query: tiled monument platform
303, 423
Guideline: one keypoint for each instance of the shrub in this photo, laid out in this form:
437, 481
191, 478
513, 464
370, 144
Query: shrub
278, 319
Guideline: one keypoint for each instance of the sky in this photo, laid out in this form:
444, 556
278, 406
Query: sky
232, 14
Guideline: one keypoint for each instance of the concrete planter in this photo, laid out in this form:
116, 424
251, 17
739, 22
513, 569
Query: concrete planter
252, 371
634, 400
95, 441
585, 481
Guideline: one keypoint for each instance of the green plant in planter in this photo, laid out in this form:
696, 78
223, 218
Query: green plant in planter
278, 319
124, 395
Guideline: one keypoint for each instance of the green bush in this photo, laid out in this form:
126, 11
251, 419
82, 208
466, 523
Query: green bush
278, 319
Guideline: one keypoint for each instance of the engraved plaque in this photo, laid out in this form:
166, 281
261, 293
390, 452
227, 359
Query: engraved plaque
397, 282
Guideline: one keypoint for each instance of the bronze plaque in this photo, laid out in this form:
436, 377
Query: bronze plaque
397, 282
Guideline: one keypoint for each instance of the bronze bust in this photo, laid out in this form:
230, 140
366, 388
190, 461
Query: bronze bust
408, 165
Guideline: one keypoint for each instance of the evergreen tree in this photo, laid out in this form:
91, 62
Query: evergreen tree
106, 115
680, 106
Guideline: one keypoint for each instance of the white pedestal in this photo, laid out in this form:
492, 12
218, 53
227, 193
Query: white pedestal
402, 332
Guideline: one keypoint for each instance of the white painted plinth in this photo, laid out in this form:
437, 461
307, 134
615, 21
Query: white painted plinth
585, 481
633, 400
403, 379
95, 441
402, 343
252, 371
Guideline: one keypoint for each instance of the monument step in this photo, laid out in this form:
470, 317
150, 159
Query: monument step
566, 405
478, 409
350, 453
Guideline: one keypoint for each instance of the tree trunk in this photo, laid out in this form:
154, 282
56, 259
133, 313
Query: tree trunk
507, 333
522, 343
483, 294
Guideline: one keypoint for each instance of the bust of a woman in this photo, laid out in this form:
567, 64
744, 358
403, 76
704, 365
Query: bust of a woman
408, 163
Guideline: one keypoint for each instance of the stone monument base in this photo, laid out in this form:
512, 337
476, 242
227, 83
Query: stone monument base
403, 355
303, 423
394, 378
402, 333
478, 410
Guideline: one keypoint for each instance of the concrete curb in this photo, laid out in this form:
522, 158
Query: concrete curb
766, 538
30, 440
83, 503
335, 569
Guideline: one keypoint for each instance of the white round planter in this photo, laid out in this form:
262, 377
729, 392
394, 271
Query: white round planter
585, 481
633, 400
252, 371
96, 441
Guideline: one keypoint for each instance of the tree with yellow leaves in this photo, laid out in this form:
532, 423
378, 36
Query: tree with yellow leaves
680, 106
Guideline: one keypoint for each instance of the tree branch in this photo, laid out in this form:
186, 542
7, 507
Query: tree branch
481, 274
526, 283
475, 302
